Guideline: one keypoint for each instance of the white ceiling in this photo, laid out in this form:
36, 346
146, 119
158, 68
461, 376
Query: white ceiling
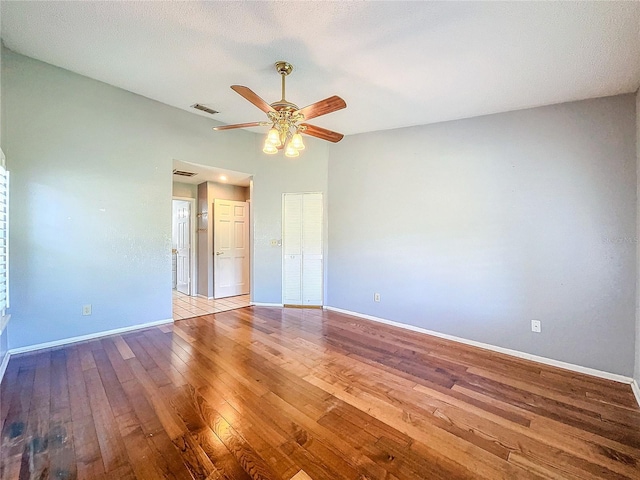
395, 63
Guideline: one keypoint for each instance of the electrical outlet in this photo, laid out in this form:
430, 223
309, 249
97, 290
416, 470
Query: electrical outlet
535, 326
86, 309
376, 297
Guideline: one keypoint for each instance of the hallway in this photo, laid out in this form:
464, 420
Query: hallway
185, 306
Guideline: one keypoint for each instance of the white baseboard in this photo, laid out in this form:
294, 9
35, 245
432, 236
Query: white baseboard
260, 304
507, 351
91, 336
82, 338
636, 390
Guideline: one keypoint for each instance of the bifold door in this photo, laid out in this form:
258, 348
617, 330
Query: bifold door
302, 249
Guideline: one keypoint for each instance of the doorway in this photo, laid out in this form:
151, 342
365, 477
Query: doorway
182, 245
231, 248
196, 189
185, 306
182, 239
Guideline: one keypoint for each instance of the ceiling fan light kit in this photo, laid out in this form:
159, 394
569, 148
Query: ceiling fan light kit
285, 118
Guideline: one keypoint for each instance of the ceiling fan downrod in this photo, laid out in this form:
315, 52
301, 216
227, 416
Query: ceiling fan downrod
282, 105
284, 69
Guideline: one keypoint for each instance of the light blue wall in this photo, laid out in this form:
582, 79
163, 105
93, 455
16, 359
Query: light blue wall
308, 174
470, 228
185, 190
91, 208
475, 227
3, 333
637, 365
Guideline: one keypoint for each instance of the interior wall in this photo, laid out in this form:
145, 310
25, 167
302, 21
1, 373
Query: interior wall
637, 363
225, 191
186, 190
1, 61
307, 173
91, 209
3, 334
475, 227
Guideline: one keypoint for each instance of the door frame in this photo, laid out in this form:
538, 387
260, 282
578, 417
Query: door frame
194, 242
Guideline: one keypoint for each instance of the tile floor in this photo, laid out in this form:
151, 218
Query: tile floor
185, 306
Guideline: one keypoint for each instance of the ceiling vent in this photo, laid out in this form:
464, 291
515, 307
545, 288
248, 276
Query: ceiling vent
183, 173
204, 108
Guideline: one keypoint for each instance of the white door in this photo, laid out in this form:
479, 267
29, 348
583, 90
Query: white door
230, 248
182, 224
302, 249
292, 249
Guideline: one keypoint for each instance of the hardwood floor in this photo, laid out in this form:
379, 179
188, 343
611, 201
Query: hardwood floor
267, 393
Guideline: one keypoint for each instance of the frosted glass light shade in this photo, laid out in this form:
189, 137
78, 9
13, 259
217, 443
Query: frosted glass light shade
273, 137
296, 142
290, 151
269, 148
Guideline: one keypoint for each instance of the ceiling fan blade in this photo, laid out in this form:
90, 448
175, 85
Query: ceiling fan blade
322, 133
238, 125
250, 95
322, 107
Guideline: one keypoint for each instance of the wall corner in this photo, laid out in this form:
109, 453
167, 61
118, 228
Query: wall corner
636, 373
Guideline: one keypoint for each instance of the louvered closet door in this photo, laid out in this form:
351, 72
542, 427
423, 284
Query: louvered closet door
312, 249
292, 250
302, 249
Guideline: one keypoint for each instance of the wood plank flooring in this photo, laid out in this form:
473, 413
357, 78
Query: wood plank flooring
268, 393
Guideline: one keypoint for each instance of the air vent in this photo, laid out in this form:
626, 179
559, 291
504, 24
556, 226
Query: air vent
183, 173
204, 108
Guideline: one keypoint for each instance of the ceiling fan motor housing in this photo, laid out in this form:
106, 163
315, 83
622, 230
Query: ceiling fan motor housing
284, 68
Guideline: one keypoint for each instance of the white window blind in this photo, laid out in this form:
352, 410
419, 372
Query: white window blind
4, 236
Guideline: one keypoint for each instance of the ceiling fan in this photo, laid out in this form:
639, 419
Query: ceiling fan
286, 119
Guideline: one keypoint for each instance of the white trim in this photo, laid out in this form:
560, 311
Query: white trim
4, 321
507, 351
7, 233
205, 297
252, 254
636, 390
4, 364
260, 304
91, 336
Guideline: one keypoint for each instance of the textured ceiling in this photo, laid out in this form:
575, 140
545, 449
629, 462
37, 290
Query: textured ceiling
395, 63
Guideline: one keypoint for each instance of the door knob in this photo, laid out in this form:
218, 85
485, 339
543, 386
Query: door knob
219, 253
